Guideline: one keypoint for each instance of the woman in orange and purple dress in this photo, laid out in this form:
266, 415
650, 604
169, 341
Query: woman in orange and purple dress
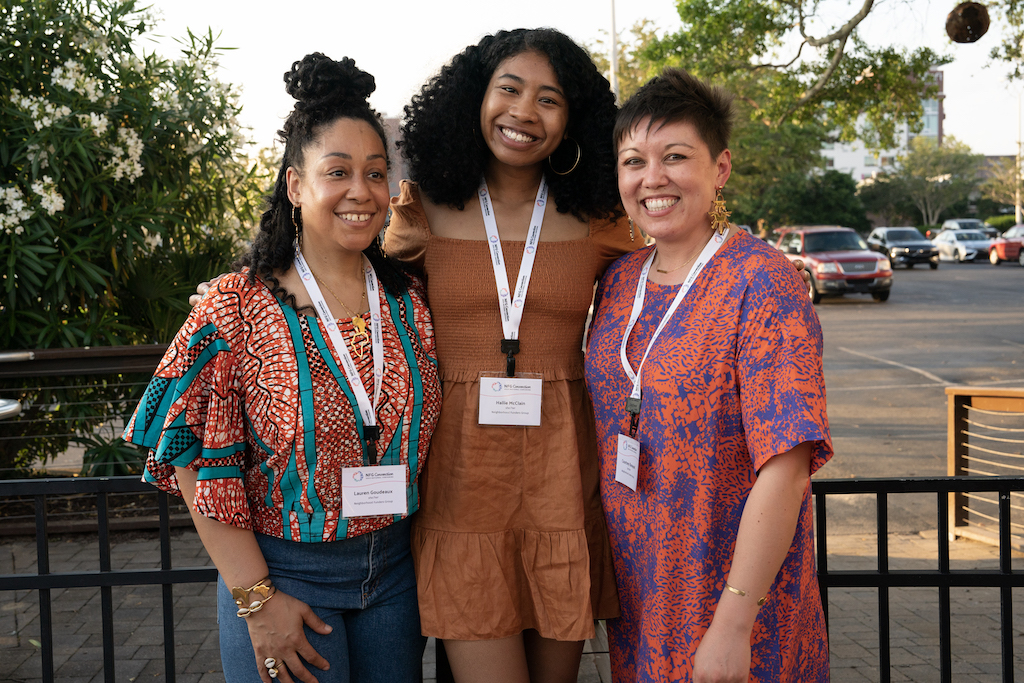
704, 366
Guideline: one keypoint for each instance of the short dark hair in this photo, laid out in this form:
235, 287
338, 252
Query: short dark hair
679, 96
446, 151
325, 91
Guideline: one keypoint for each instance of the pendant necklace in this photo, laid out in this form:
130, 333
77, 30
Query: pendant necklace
361, 337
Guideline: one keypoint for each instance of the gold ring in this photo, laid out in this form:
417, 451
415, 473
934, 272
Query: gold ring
272, 673
270, 662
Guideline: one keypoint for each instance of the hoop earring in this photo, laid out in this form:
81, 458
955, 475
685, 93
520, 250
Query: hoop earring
630, 228
719, 216
579, 153
298, 229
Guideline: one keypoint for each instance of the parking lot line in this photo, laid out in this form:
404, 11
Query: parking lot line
924, 373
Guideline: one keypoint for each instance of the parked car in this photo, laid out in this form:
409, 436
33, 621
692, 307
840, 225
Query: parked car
970, 224
1009, 247
838, 260
904, 246
961, 245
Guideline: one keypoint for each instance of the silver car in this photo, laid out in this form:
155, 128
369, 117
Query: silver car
962, 245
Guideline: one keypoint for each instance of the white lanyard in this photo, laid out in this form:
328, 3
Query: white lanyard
368, 410
716, 241
511, 302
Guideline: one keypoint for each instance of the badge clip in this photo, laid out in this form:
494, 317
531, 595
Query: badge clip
510, 347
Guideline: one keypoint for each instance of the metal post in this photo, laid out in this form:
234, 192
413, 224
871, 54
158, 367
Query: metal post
615, 60
1017, 169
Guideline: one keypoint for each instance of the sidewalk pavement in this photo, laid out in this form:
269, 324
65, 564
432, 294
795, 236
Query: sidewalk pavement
138, 629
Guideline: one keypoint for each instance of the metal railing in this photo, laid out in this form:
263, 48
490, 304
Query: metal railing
985, 438
44, 581
1005, 578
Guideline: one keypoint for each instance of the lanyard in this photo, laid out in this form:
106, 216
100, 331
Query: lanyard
369, 411
511, 302
634, 400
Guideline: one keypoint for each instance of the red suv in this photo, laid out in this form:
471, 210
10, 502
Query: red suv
838, 260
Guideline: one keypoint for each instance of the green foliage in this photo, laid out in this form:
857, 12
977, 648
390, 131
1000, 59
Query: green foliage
766, 53
122, 178
1002, 183
1002, 222
885, 197
935, 177
829, 198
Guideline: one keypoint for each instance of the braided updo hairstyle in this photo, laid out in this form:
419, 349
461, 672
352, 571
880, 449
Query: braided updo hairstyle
325, 91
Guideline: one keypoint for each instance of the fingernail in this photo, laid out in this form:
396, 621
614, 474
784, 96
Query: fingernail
329, 627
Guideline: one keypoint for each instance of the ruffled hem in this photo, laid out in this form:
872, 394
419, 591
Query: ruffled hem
495, 585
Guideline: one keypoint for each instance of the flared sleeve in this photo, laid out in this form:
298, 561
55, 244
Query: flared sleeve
611, 238
407, 233
192, 415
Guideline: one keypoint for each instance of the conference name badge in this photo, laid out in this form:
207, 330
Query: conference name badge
376, 490
510, 401
627, 461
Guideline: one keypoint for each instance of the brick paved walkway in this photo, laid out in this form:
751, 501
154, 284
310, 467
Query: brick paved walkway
138, 630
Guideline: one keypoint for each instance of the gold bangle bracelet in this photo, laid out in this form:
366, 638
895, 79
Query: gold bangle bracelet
743, 594
254, 607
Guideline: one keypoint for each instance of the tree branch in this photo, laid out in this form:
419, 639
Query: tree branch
811, 92
844, 32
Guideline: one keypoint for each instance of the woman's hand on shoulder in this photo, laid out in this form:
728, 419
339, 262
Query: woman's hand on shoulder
276, 633
804, 273
201, 289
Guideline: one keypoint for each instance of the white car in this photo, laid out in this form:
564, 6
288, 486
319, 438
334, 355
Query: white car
961, 245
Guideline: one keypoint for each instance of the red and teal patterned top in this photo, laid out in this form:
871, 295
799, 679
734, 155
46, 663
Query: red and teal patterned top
734, 379
251, 396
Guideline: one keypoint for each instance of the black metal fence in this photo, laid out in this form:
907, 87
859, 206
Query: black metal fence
106, 578
942, 577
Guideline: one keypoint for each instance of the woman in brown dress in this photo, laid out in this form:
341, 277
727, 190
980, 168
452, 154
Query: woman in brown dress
511, 550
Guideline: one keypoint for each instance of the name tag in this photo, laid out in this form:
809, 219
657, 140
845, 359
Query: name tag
510, 401
627, 461
370, 491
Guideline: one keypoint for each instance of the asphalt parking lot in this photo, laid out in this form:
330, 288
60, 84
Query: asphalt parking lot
887, 366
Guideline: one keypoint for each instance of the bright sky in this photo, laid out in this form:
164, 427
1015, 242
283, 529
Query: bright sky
403, 42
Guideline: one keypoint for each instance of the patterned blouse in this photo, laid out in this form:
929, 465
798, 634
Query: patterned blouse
251, 396
734, 379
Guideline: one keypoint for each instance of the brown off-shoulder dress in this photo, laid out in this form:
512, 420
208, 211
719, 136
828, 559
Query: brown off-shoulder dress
510, 534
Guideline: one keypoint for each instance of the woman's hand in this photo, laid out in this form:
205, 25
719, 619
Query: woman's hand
797, 263
201, 289
723, 655
276, 632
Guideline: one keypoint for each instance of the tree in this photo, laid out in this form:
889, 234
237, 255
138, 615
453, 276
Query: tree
937, 176
886, 197
789, 66
1003, 182
123, 179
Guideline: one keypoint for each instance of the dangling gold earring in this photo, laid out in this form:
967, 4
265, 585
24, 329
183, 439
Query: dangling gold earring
579, 153
719, 216
630, 228
298, 229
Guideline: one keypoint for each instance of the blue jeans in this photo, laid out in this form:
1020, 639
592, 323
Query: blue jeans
364, 587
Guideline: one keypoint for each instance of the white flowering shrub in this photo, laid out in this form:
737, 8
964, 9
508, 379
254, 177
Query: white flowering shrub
123, 179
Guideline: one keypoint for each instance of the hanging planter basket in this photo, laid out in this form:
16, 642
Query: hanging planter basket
967, 22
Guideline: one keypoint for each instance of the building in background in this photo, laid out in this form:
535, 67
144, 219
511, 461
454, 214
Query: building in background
863, 163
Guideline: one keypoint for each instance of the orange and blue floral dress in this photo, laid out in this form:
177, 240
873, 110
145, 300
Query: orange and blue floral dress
250, 395
734, 379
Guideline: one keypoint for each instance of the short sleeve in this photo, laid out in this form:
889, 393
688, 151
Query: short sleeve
406, 236
192, 415
611, 237
780, 374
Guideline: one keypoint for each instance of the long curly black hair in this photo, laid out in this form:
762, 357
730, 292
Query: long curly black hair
325, 91
441, 136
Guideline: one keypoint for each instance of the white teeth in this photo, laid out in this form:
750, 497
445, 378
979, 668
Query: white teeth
659, 204
518, 137
355, 217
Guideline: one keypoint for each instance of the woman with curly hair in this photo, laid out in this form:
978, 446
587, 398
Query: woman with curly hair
510, 151
296, 434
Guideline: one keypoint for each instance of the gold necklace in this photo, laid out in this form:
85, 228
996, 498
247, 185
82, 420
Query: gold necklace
671, 270
361, 336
